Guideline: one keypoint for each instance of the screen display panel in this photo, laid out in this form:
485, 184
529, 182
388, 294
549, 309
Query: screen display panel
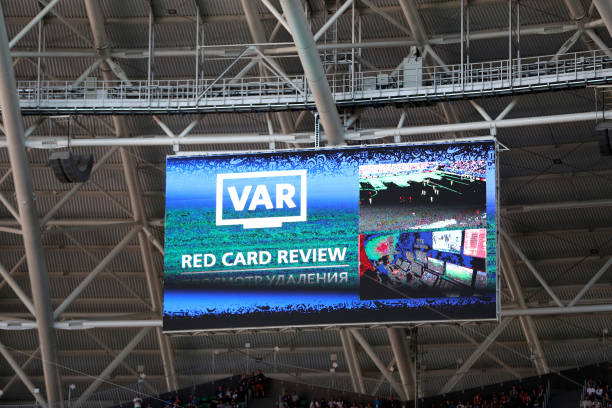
319, 237
475, 243
459, 274
447, 241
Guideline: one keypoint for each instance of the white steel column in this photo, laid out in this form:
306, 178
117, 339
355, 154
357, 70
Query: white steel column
397, 338
96, 20
30, 225
350, 355
313, 70
526, 322
379, 364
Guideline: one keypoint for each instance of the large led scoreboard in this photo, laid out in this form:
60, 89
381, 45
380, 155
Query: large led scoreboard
333, 236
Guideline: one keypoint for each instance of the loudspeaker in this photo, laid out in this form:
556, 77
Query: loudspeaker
71, 168
603, 133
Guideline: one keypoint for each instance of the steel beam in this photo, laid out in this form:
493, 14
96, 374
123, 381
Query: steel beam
96, 271
604, 7
332, 20
592, 281
30, 225
10, 324
397, 338
300, 137
531, 268
313, 70
105, 374
465, 367
32, 23
259, 37
22, 375
350, 355
17, 289
526, 322
379, 364
33, 355
96, 20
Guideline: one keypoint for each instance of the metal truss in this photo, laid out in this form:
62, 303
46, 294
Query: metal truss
279, 92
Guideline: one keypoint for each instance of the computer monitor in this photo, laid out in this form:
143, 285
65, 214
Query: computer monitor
475, 243
429, 279
481, 280
459, 274
416, 269
447, 241
409, 256
435, 265
420, 257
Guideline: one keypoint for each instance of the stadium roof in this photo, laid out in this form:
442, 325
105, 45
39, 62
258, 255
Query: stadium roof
555, 191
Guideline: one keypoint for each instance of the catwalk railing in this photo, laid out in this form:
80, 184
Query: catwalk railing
407, 83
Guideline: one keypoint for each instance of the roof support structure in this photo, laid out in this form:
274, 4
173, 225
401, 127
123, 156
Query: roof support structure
96, 20
30, 225
313, 70
32, 23
350, 355
22, 375
95, 272
103, 376
592, 281
462, 371
531, 268
604, 7
379, 364
492, 356
526, 322
259, 36
23, 366
405, 366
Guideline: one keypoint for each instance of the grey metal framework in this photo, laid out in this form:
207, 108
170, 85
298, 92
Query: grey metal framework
276, 92
81, 265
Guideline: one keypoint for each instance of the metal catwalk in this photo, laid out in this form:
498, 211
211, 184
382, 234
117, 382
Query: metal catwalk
407, 83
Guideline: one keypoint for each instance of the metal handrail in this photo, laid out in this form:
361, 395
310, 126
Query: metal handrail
430, 80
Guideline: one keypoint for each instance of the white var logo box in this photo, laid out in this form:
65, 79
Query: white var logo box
260, 197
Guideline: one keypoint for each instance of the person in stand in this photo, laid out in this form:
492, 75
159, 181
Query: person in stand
260, 379
137, 401
477, 401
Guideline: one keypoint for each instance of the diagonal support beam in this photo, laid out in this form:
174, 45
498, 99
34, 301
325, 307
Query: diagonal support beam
276, 14
591, 282
531, 268
30, 224
96, 271
32, 23
27, 302
22, 375
526, 322
462, 371
492, 356
381, 377
25, 365
313, 70
604, 7
332, 19
105, 374
379, 364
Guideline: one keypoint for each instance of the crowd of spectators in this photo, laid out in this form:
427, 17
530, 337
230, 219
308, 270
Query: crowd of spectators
228, 396
516, 397
596, 395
